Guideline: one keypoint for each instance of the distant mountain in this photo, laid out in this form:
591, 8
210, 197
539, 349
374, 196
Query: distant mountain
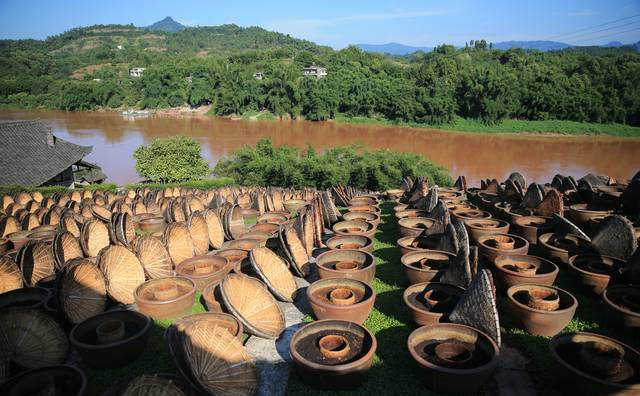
167, 25
392, 48
540, 45
612, 44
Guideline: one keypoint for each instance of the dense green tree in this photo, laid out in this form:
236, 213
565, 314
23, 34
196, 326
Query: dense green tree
170, 160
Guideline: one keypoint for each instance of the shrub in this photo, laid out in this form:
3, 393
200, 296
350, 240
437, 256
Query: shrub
11, 189
266, 165
171, 160
204, 184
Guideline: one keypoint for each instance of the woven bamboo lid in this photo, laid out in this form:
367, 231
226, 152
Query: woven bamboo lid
122, 229
68, 223
154, 257
250, 301
9, 225
295, 251
36, 261
30, 221
235, 222
274, 272
10, 275
308, 230
214, 229
31, 338
94, 237
100, 212
199, 233
178, 242
65, 247
152, 385
122, 271
82, 290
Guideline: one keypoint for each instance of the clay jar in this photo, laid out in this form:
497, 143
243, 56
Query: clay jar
354, 227
414, 226
357, 242
514, 269
238, 258
407, 213
44, 381
346, 263
343, 299
594, 271
592, 364
582, 213
34, 297
480, 227
469, 214
372, 218
425, 266
364, 208
541, 310
414, 244
453, 358
162, 298
294, 205
111, 339
492, 246
332, 354
431, 303
531, 227
212, 297
624, 301
560, 247
152, 224
204, 269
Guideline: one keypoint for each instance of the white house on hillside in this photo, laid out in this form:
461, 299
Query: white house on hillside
314, 71
136, 72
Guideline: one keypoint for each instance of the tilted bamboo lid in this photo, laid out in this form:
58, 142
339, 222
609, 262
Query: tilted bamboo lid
82, 290
274, 272
36, 261
178, 242
94, 237
214, 229
154, 257
10, 275
65, 248
122, 271
199, 233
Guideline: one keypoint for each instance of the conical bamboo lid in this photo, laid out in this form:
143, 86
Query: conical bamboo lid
275, 273
199, 233
318, 222
178, 242
65, 247
68, 223
10, 275
299, 257
100, 212
152, 385
36, 261
214, 229
82, 291
30, 221
122, 271
8, 225
154, 257
235, 222
217, 360
31, 338
250, 301
308, 230
124, 230
94, 237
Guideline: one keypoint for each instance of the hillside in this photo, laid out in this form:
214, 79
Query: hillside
392, 48
167, 25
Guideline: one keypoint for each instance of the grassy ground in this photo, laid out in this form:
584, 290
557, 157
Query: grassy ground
11, 189
392, 372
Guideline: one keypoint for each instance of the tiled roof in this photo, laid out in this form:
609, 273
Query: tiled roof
31, 155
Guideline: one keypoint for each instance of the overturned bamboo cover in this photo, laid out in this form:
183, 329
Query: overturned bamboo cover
65, 247
250, 301
152, 385
122, 229
100, 212
122, 271
68, 223
9, 225
178, 242
154, 257
214, 229
234, 222
295, 251
199, 233
36, 261
94, 237
10, 275
274, 272
31, 338
82, 291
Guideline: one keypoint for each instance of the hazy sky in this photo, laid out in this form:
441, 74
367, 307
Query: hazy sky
339, 23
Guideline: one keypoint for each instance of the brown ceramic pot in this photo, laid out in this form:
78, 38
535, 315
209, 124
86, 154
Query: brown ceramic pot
327, 306
364, 208
594, 271
431, 303
49, 380
582, 213
152, 225
450, 196
425, 346
357, 242
516, 269
354, 227
414, 244
492, 246
425, 266
624, 300
294, 205
246, 243
372, 218
481, 227
531, 227
34, 297
238, 258
414, 226
559, 248
162, 298
541, 321
204, 269
403, 214
470, 214
346, 263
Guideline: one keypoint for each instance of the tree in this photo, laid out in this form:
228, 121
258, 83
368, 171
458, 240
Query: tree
170, 160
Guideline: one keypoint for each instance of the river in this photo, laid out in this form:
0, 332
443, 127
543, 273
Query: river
114, 138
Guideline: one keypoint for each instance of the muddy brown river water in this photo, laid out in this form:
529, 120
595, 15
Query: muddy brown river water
114, 138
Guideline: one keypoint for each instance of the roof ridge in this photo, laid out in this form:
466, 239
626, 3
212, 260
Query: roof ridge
30, 121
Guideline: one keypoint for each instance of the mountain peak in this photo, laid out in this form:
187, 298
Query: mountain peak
168, 24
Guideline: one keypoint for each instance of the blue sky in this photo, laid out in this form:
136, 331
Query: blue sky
339, 23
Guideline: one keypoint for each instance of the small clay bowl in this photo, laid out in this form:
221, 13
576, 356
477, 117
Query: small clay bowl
238, 258
414, 244
407, 213
326, 303
170, 297
360, 201
273, 218
453, 358
294, 205
560, 248
450, 196
400, 207
594, 271
372, 218
346, 263
624, 300
357, 242
414, 226
33, 297
580, 377
364, 208
246, 243
514, 269
492, 246
325, 358
204, 269
267, 228
541, 321
480, 227
152, 224
354, 227
49, 380
431, 303
531, 227
118, 353
469, 214
425, 266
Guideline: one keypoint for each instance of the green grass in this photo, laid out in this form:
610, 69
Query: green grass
510, 126
11, 189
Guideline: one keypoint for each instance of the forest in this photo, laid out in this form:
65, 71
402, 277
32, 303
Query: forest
87, 68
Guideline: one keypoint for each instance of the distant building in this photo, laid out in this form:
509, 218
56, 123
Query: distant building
314, 71
258, 75
97, 79
136, 72
31, 156
119, 47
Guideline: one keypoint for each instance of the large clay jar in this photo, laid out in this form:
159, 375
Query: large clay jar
425, 266
414, 226
354, 227
624, 301
357, 242
204, 269
582, 213
492, 246
371, 217
343, 299
594, 271
480, 227
470, 214
541, 310
431, 303
453, 358
347, 263
403, 214
516, 269
531, 227
593, 365
162, 298
332, 354
560, 247
414, 244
